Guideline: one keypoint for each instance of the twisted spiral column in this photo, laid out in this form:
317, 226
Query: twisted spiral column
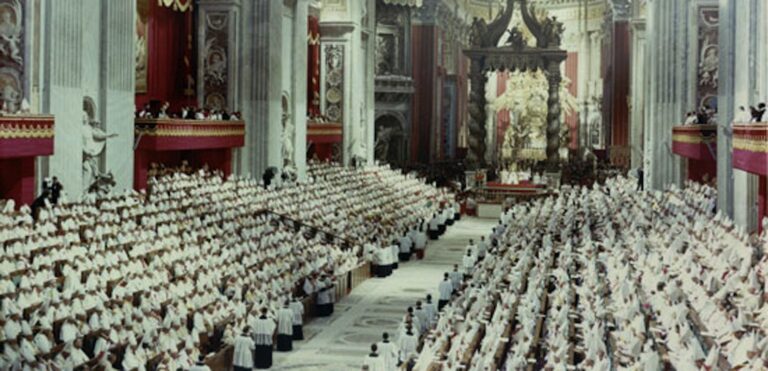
553, 117
477, 115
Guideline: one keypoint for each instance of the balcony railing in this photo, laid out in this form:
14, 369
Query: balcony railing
177, 134
750, 147
697, 142
26, 136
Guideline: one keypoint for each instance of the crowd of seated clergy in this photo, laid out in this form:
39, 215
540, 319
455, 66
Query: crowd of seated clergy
156, 278
159, 170
358, 204
185, 113
606, 278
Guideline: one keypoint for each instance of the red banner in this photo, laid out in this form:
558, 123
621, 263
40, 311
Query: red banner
313, 68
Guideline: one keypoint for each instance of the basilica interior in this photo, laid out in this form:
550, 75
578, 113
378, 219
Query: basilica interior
383, 185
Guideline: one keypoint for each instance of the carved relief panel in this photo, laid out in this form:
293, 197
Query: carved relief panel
390, 39
334, 82
215, 60
11, 53
708, 57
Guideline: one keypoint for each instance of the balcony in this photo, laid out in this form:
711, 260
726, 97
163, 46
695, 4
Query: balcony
750, 148
26, 136
696, 142
178, 135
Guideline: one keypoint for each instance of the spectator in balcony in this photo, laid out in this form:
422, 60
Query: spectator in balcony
690, 118
744, 116
758, 113
163, 114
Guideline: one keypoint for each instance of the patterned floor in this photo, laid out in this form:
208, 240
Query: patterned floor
340, 342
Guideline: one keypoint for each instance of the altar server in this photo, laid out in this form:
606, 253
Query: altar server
243, 354
388, 352
285, 328
263, 330
297, 307
374, 362
446, 291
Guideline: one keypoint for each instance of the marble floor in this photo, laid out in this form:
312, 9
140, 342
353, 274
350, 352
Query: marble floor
377, 305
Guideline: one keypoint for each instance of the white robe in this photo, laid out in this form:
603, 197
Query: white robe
243, 356
388, 352
285, 321
446, 289
263, 329
374, 363
298, 312
407, 344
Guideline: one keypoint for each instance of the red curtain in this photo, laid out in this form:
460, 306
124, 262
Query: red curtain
313, 68
170, 58
572, 120
18, 180
502, 117
762, 197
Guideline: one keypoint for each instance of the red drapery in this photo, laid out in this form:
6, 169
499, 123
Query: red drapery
18, 180
177, 5
763, 202
502, 117
572, 120
313, 68
170, 57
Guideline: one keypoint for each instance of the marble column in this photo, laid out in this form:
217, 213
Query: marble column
347, 40
261, 37
369, 76
117, 91
553, 117
63, 97
583, 88
664, 105
477, 114
87, 55
637, 92
299, 86
738, 59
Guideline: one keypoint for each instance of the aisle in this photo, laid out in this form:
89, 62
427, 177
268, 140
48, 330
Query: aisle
377, 305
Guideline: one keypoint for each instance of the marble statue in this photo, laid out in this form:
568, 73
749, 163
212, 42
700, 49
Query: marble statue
215, 62
516, 38
94, 142
382, 143
10, 97
288, 136
10, 31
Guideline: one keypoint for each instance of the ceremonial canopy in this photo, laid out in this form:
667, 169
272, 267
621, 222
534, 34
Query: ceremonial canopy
487, 56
